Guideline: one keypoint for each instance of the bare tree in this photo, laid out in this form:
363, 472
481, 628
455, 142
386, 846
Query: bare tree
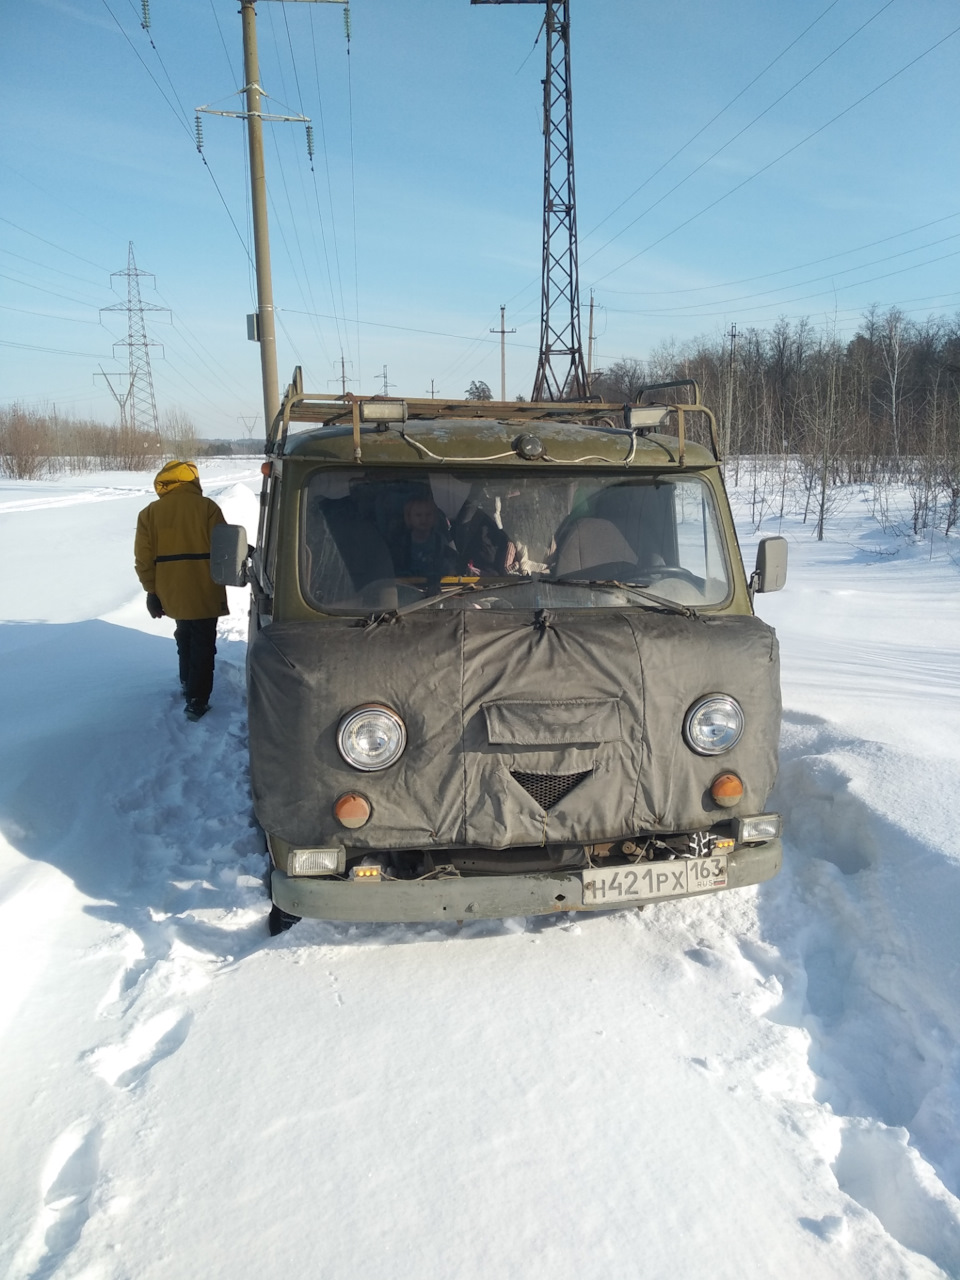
26, 444
179, 434
621, 381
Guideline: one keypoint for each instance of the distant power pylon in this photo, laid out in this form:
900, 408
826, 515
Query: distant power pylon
561, 372
141, 404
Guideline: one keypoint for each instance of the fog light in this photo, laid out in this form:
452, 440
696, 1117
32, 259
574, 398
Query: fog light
352, 810
765, 826
366, 873
727, 790
316, 862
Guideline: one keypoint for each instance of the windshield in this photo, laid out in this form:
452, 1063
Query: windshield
378, 539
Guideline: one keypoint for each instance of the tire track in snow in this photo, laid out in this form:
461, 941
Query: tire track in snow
859, 931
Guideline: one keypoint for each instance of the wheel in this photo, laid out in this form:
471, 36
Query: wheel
280, 921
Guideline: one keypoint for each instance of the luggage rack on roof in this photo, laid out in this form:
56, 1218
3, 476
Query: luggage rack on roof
640, 418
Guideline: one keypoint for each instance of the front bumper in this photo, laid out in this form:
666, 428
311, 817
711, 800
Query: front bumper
477, 897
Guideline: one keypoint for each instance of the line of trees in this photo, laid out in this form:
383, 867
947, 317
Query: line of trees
797, 408
880, 408
35, 444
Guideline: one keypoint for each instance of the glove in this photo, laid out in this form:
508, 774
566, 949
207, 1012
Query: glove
154, 607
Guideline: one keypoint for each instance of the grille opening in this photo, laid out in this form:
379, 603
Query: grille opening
548, 789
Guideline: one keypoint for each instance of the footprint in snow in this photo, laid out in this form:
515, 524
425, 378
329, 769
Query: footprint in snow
879, 1169
68, 1183
125, 1064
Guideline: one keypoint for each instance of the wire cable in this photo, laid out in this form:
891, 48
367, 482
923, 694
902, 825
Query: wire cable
181, 119
714, 118
740, 132
768, 275
782, 156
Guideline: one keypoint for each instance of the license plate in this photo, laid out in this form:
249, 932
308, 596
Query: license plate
647, 880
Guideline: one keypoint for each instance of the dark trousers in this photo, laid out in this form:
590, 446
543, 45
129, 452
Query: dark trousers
196, 647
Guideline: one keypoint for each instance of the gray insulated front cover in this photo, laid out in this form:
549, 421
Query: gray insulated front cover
593, 701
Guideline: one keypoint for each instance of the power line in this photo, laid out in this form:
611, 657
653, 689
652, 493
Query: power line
402, 328
789, 151
180, 116
741, 132
54, 351
50, 315
58, 247
799, 284
43, 267
714, 118
768, 275
81, 302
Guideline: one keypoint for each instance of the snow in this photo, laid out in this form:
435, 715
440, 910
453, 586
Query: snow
761, 1083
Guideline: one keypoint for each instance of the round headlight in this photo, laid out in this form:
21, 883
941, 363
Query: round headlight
713, 725
371, 737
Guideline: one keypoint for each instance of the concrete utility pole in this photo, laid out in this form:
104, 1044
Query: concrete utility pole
267, 332
503, 353
727, 432
590, 348
264, 327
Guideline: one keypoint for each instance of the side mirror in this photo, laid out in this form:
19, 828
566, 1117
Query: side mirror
771, 571
228, 555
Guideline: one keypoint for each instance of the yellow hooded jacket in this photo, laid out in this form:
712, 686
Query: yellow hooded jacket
172, 547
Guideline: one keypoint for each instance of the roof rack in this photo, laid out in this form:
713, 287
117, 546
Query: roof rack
318, 409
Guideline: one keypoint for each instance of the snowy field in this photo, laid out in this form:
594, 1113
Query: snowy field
764, 1083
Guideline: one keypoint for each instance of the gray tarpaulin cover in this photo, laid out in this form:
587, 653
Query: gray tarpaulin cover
486, 694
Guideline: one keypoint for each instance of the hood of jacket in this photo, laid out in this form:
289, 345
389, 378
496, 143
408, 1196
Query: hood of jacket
176, 473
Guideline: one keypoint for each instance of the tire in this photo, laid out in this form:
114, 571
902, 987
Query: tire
280, 921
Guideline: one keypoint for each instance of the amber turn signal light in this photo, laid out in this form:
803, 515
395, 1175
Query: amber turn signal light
727, 790
352, 810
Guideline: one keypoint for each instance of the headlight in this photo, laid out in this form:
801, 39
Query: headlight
371, 737
713, 725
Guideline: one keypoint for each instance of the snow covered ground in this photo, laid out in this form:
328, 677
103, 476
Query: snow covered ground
764, 1083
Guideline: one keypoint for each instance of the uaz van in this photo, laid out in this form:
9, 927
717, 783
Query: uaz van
503, 659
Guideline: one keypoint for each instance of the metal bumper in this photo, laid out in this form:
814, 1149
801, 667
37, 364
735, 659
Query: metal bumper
476, 897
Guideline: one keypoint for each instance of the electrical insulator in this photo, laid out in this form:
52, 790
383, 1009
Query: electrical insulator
346, 20
310, 141
198, 130
145, 20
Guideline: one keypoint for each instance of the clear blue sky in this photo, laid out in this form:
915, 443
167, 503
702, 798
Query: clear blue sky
734, 163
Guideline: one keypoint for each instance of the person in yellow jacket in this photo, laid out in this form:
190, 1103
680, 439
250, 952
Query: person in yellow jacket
172, 557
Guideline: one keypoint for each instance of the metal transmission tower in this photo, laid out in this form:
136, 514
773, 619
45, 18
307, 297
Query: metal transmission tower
561, 373
140, 402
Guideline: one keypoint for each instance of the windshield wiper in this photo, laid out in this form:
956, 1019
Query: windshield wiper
463, 589
501, 584
638, 589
